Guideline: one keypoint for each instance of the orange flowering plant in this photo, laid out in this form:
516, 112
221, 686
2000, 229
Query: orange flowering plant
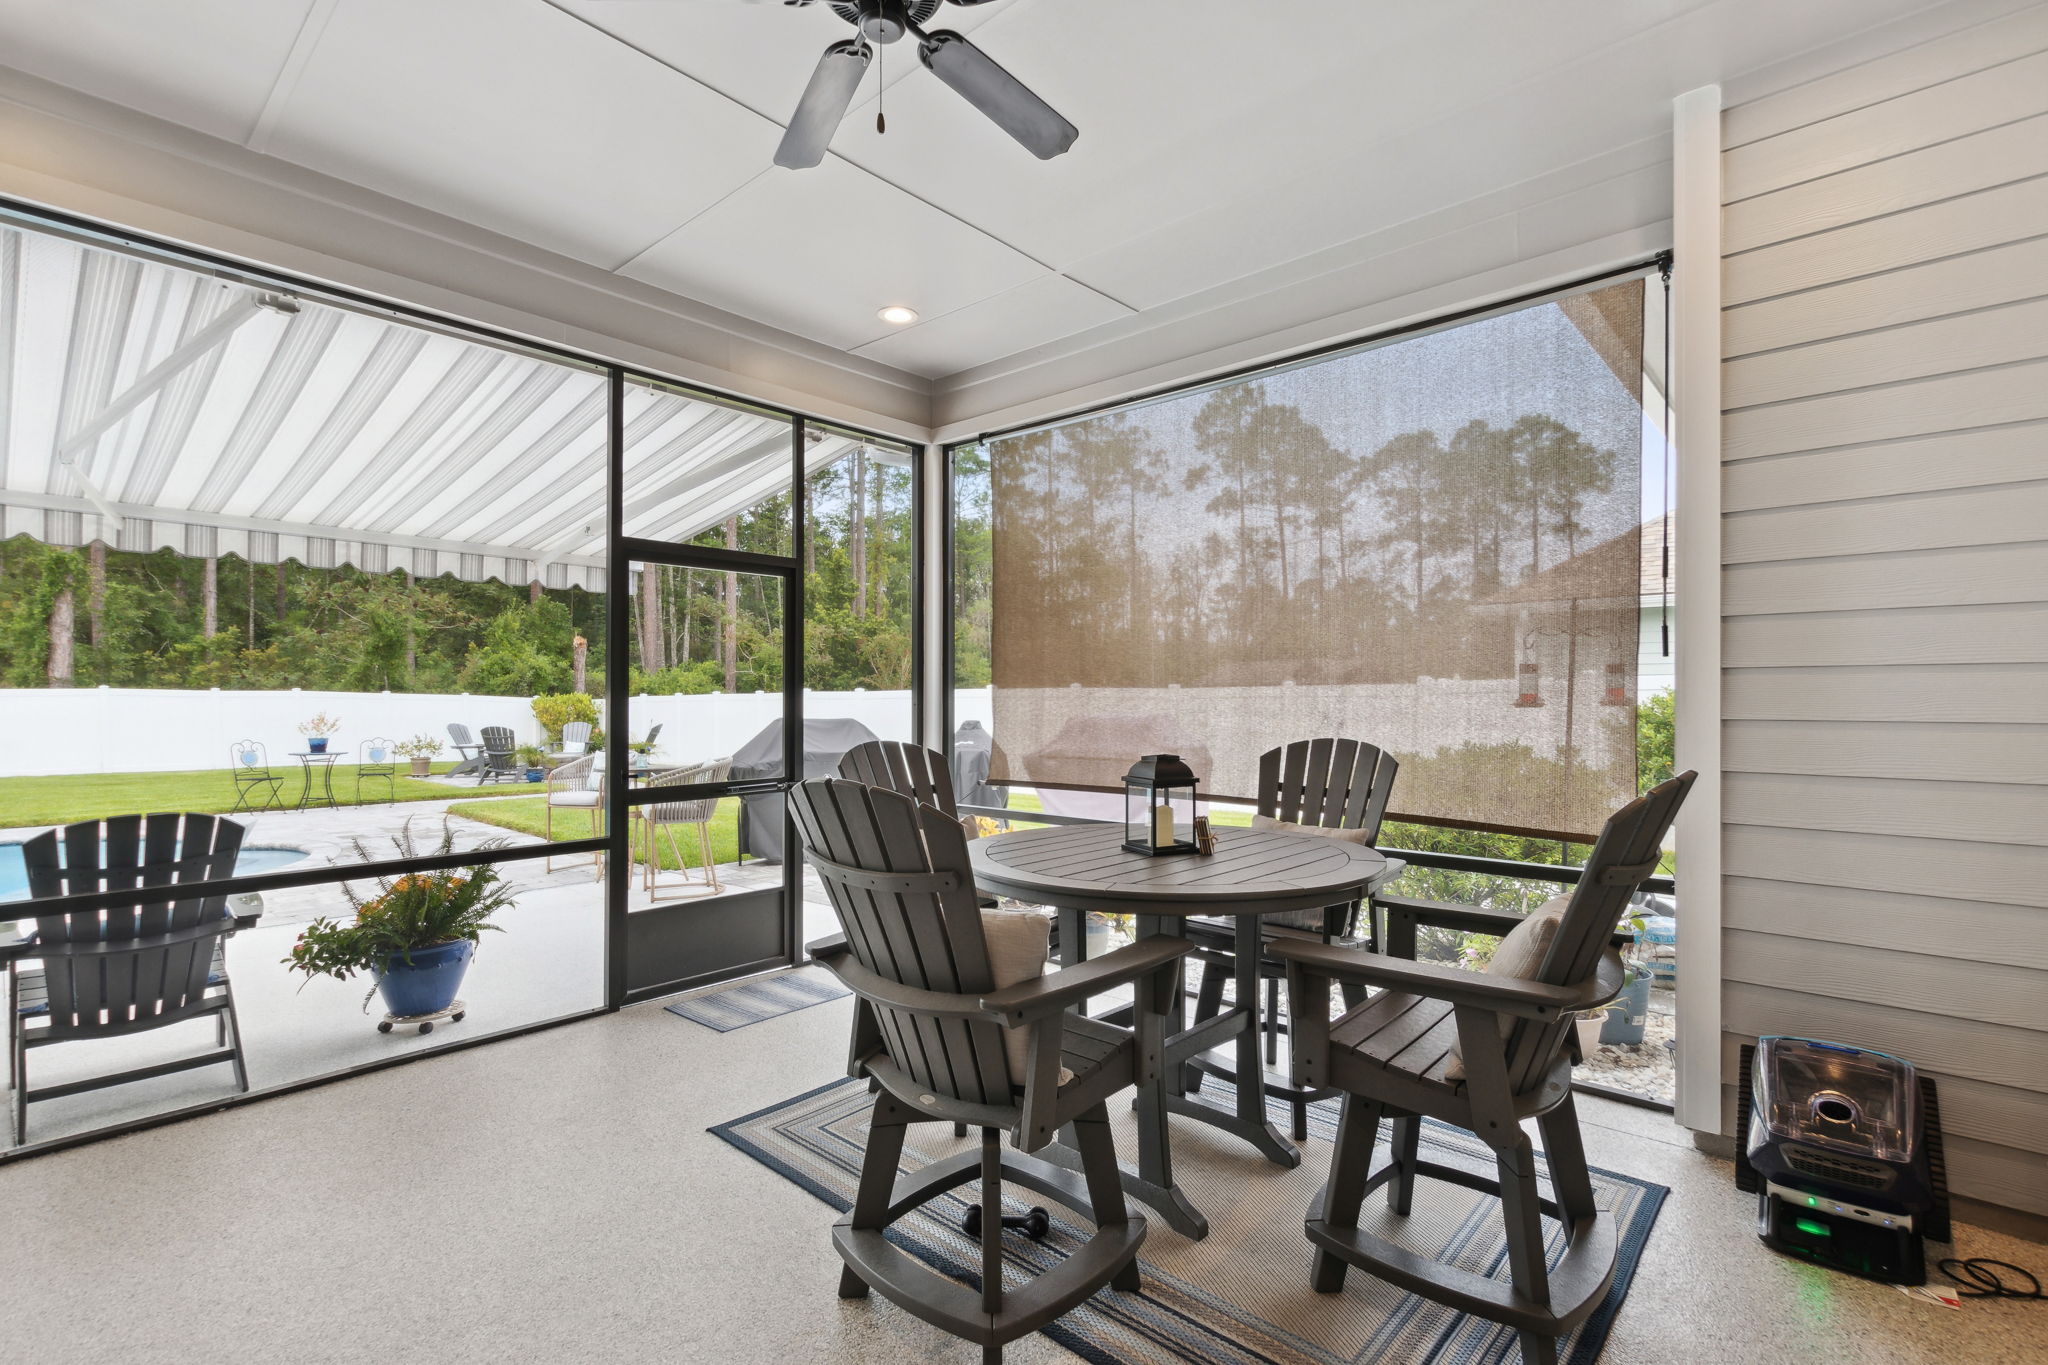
409, 912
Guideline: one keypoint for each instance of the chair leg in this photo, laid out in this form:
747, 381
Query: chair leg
1358, 1127
17, 1054
233, 1029
992, 1226
1105, 1184
1208, 1004
704, 847
547, 825
1300, 1107
877, 1183
1523, 1216
1565, 1152
1401, 1189
1272, 1021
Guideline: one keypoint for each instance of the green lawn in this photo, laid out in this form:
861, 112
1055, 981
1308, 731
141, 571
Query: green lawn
527, 815
66, 798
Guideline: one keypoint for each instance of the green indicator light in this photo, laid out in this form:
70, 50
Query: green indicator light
1811, 1228
1812, 1203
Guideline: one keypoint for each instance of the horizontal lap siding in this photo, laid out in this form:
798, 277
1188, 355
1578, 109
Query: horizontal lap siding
1885, 579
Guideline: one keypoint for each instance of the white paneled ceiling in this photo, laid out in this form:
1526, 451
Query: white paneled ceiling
1221, 143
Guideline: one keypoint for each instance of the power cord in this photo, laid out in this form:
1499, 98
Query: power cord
1978, 1278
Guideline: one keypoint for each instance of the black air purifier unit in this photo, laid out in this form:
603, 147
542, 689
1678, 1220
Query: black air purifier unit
1842, 1146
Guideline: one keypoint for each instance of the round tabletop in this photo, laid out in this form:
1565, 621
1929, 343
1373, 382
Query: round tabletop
1252, 872
324, 753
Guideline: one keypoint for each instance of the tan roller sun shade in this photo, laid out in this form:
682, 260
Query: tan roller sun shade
1432, 545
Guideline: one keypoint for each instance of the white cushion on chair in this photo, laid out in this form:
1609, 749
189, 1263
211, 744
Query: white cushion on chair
575, 798
1019, 943
1349, 836
1520, 955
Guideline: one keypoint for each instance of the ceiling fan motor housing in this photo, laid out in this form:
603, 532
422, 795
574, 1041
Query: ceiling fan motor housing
884, 21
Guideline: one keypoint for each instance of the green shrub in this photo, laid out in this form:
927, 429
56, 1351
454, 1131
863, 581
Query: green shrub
558, 709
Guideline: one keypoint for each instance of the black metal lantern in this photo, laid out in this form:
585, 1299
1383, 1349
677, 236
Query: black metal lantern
1159, 806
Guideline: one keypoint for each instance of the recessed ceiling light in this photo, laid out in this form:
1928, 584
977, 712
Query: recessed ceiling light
897, 315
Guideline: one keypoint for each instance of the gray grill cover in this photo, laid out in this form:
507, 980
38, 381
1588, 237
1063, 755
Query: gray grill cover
826, 741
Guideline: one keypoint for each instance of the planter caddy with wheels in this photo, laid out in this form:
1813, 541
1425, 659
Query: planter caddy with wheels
415, 937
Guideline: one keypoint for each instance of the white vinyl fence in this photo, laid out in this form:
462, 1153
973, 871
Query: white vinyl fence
132, 730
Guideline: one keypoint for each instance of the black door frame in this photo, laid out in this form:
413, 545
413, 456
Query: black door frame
620, 797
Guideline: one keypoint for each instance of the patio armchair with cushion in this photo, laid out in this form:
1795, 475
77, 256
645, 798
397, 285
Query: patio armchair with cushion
154, 958
500, 758
577, 785
945, 1030
256, 787
1319, 788
1483, 1051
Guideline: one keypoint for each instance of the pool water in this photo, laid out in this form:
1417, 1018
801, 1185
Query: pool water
14, 872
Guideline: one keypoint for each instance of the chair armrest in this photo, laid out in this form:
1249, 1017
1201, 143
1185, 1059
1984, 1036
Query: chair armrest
1445, 915
17, 942
882, 991
1502, 994
1060, 990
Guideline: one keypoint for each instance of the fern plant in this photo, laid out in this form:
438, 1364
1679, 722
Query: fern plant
410, 912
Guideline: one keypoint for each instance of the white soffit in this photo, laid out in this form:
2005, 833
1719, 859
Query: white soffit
518, 117
208, 64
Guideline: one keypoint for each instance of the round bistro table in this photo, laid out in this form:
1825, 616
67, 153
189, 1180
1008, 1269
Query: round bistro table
1082, 868
324, 761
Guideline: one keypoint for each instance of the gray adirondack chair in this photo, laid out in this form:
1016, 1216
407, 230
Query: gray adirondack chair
1391, 1058
500, 758
463, 741
1332, 784
928, 1035
145, 963
575, 736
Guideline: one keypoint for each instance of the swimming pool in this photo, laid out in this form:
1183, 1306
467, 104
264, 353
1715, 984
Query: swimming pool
14, 872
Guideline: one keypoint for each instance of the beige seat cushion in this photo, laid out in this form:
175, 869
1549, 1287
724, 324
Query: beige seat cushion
1311, 920
1520, 955
1019, 943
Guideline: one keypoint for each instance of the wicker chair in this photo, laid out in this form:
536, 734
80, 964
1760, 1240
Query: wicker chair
577, 785
928, 1036
1393, 1059
666, 816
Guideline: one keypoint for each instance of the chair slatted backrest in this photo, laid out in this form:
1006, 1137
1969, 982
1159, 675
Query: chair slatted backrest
898, 876
460, 736
1330, 783
378, 756
575, 736
151, 855
1626, 852
911, 769
500, 748
696, 810
249, 760
653, 733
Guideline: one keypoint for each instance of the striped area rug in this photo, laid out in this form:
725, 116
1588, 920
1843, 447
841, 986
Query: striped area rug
1241, 1295
741, 1003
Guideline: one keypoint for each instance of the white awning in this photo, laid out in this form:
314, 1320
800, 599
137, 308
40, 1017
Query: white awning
152, 407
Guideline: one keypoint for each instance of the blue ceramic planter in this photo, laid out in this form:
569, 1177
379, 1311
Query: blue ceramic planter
428, 983
316, 746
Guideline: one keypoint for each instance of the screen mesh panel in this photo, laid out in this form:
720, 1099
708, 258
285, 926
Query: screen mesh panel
1432, 545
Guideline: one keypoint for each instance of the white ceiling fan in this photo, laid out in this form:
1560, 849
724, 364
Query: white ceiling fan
983, 83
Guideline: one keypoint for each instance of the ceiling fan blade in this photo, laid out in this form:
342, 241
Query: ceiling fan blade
824, 104
1005, 99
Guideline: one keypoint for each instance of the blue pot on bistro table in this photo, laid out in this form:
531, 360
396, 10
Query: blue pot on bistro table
427, 983
316, 746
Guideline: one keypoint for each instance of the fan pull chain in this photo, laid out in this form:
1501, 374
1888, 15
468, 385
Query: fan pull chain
881, 92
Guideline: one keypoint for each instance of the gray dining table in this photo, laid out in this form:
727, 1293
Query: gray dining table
1077, 869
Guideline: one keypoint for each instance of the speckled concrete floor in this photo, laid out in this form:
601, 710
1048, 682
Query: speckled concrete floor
555, 1198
